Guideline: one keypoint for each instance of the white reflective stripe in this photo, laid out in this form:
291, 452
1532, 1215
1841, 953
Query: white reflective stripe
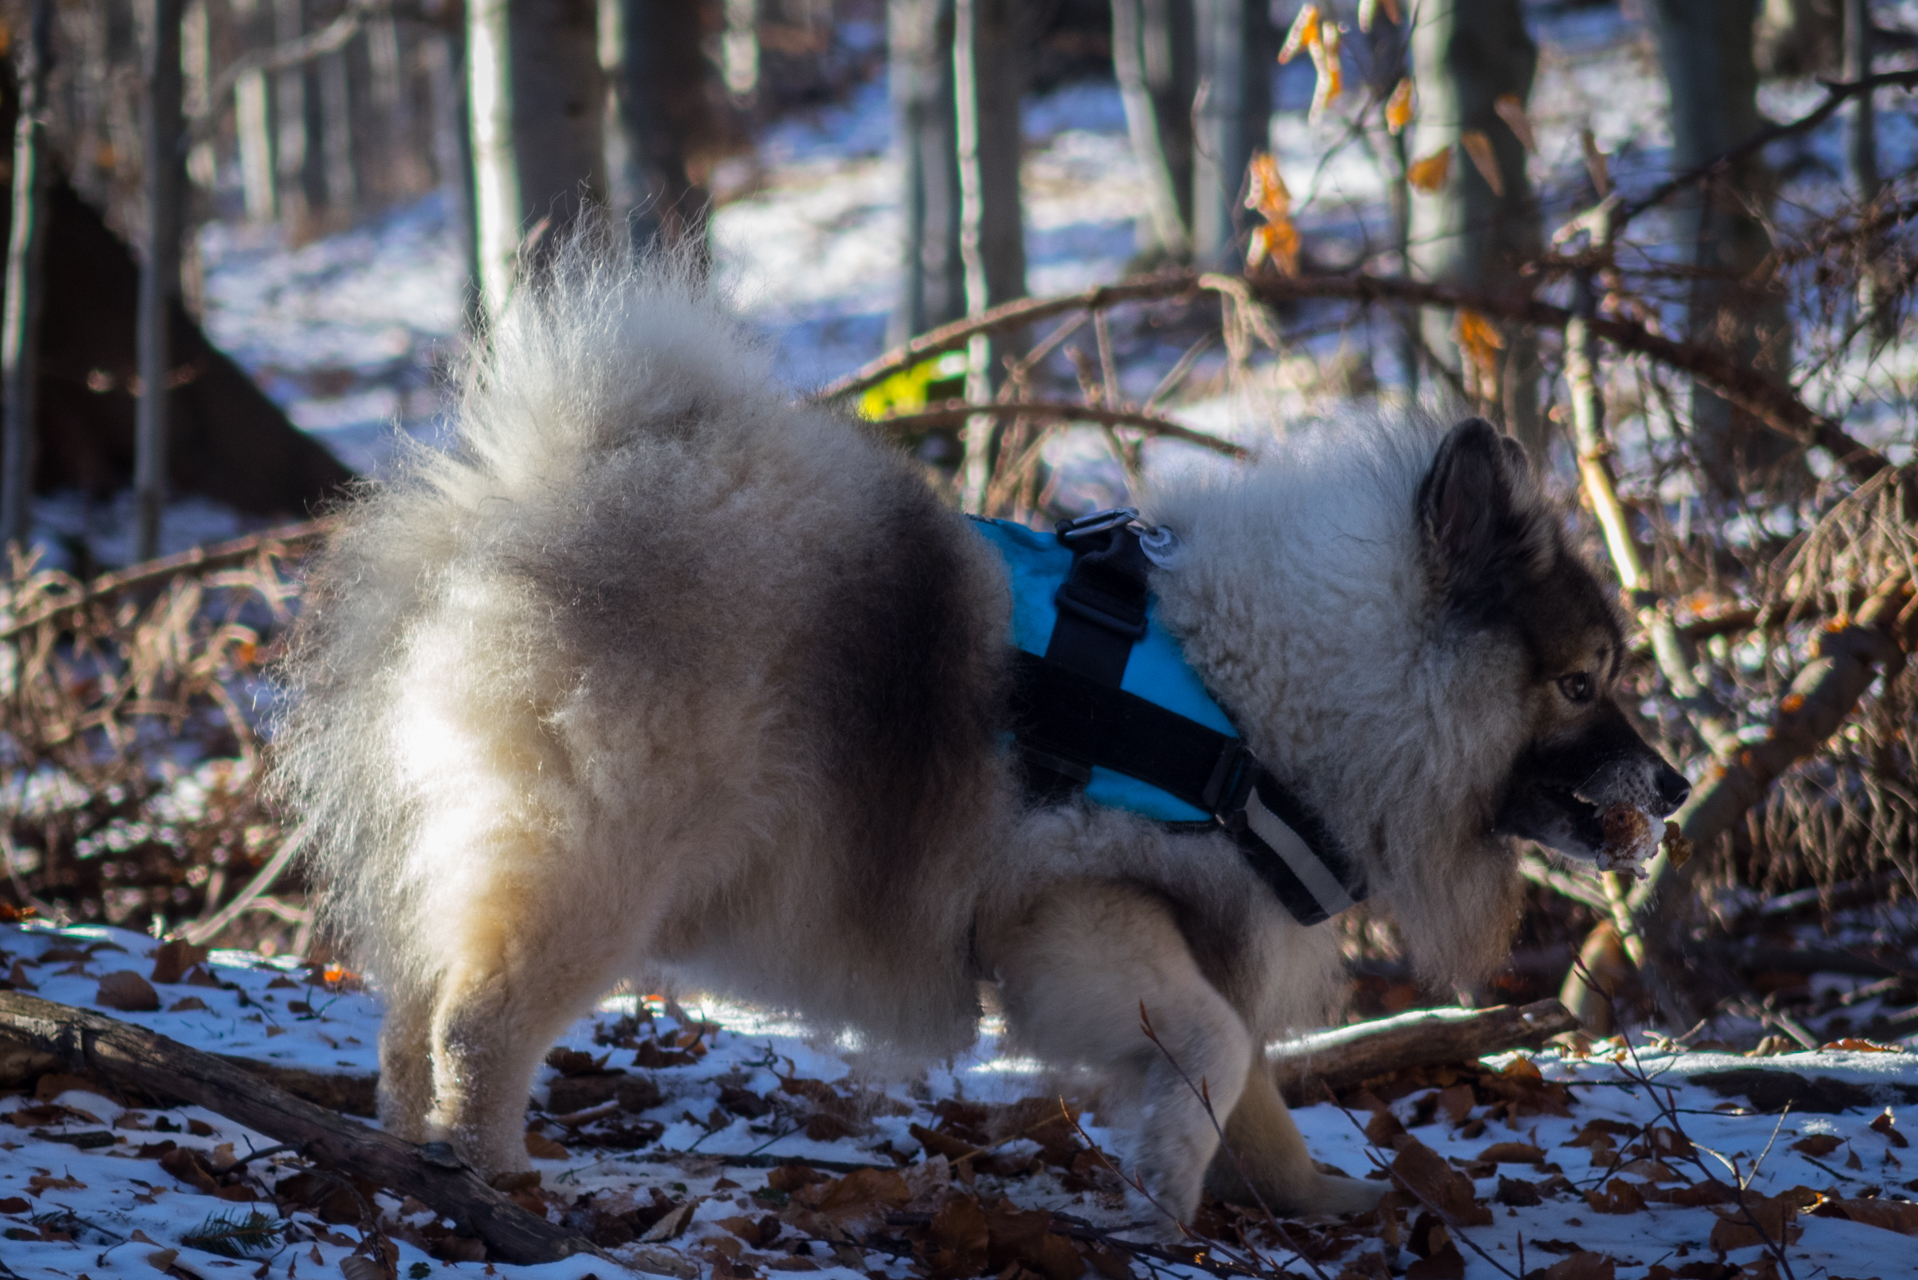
1297, 855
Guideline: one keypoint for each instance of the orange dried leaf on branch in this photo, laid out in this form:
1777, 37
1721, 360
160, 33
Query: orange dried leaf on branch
1398, 107
1304, 34
1428, 175
1479, 147
1512, 112
1277, 241
1480, 340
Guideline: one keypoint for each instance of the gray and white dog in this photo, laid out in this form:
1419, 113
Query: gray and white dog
655, 674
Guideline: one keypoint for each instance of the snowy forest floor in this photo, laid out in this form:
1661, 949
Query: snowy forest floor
717, 1142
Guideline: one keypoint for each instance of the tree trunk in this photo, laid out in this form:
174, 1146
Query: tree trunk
1156, 64
160, 273
1467, 56
252, 121
1705, 47
933, 290
1233, 113
657, 71
296, 155
536, 93
336, 133
443, 53
986, 91
20, 325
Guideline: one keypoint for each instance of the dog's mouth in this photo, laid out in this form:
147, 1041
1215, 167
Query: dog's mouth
1555, 817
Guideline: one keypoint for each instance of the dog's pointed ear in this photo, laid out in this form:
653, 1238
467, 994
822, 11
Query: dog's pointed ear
1469, 507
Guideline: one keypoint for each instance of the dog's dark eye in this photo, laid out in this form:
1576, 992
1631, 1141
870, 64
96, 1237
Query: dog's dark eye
1577, 687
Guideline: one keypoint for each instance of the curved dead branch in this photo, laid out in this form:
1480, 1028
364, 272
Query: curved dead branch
955, 412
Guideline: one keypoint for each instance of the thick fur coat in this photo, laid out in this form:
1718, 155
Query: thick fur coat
655, 674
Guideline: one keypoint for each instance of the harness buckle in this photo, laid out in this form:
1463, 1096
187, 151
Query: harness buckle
1097, 522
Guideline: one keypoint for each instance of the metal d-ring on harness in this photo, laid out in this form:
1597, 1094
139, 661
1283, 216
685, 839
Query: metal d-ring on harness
1071, 716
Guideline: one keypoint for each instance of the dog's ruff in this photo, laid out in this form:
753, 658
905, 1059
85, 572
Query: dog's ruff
654, 674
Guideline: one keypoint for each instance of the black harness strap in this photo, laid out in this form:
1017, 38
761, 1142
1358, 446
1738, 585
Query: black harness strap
1069, 714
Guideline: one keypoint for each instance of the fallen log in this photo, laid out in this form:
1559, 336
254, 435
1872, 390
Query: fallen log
135, 1058
1351, 1055
353, 1092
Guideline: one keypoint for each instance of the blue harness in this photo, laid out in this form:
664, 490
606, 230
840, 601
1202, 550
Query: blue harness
1106, 706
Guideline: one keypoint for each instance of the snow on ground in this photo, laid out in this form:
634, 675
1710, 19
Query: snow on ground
1629, 1156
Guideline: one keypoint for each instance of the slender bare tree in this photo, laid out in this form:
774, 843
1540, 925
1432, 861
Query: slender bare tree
1154, 58
160, 273
26, 251
1231, 119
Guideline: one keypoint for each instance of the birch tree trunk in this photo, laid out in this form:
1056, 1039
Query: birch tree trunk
1231, 119
26, 251
919, 34
536, 94
651, 53
1705, 47
160, 273
1157, 69
1467, 55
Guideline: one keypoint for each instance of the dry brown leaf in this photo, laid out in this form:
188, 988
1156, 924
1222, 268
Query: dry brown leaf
1278, 241
1446, 1263
1512, 1153
1265, 188
1398, 107
956, 1240
128, 992
1616, 1196
1325, 60
1892, 1215
1457, 1102
1852, 1044
541, 1147
1428, 175
1305, 33
172, 960
1438, 1186
1582, 1266
1818, 1144
1595, 163
1886, 1127
1479, 147
1512, 112
1481, 342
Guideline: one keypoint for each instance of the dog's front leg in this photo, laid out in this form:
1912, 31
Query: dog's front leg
1075, 970
1265, 1158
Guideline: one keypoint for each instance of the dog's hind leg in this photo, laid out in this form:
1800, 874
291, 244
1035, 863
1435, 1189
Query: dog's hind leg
1265, 1158
528, 956
406, 1061
1075, 973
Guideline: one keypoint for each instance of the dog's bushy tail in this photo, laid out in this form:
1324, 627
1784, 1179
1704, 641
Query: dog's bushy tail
595, 355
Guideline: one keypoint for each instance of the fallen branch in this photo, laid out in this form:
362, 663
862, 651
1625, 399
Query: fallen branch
954, 412
1427, 1037
153, 573
135, 1058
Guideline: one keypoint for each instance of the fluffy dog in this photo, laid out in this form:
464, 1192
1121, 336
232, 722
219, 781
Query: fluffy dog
654, 673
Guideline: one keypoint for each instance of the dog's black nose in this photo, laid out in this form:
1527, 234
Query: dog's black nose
1673, 790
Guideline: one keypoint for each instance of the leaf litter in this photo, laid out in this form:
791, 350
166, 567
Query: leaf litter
712, 1141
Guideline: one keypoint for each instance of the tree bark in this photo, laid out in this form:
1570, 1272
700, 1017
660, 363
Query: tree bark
1467, 56
134, 1057
933, 292
252, 122
1232, 119
659, 102
26, 252
160, 273
537, 96
1705, 47
336, 135
1154, 58
301, 193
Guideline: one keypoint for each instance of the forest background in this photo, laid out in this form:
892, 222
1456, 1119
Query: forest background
1665, 244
